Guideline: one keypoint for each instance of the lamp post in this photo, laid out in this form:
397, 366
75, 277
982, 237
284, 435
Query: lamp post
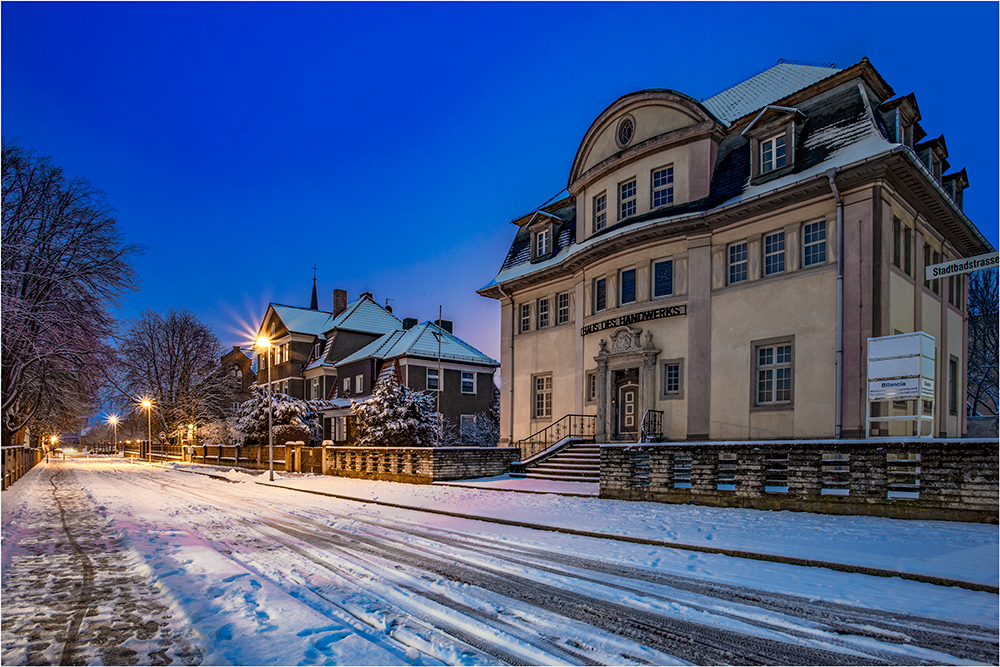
113, 420
148, 405
264, 343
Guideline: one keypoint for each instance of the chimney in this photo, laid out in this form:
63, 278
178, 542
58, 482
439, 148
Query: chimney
444, 324
339, 301
409, 323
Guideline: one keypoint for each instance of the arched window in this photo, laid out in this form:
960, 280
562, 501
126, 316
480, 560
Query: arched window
238, 379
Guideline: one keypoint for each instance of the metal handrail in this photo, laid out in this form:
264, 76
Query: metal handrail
652, 425
573, 426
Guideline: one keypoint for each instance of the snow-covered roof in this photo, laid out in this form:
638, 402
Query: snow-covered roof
360, 315
421, 341
764, 88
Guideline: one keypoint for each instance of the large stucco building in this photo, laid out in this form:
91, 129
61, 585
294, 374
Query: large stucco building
694, 264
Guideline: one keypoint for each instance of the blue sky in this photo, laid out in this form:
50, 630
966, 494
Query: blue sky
391, 144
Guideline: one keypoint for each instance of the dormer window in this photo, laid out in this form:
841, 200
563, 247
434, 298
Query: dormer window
772, 140
543, 243
772, 154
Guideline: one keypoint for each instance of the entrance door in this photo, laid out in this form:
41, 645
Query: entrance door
628, 410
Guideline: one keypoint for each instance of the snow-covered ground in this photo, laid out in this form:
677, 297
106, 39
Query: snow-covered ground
108, 562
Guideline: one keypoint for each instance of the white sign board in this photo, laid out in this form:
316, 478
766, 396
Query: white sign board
988, 261
900, 389
901, 367
918, 344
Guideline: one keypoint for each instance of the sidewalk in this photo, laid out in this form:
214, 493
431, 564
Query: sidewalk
933, 551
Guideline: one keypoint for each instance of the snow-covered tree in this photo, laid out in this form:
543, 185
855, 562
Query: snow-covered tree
251, 417
395, 416
984, 343
484, 431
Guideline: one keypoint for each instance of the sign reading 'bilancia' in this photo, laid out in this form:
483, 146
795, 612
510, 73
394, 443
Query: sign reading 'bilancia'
625, 320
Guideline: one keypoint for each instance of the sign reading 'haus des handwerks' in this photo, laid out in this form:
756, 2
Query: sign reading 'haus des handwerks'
644, 316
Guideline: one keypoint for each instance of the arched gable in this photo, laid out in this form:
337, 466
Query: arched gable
635, 123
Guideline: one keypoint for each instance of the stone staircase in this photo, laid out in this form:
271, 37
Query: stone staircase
580, 462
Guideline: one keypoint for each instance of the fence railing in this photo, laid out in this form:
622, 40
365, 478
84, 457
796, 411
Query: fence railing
573, 426
652, 426
17, 461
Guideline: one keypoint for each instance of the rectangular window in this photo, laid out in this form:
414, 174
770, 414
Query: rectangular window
953, 385
936, 283
543, 313
600, 294
468, 382
432, 379
359, 383
774, 374
468, 427
663, 278
663, 186
600, 211
737, 263
627, 280
347, 386
774, 253
907, 252
542, 243
671, 378
525, 317
315, 388
897, 242
814, 243
927, 262
542, 399
772, 154
562, 308
626, 199
591, 392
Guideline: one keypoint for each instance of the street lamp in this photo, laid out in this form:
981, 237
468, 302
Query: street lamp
113, 420
265, 344
148, 405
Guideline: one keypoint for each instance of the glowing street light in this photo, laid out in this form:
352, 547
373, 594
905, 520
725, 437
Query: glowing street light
113, 420
264, 344
148, 406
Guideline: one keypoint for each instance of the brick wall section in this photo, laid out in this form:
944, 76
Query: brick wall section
954, 480
421, 465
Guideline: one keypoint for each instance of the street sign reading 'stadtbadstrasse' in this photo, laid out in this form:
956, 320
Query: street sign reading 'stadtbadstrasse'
988, 261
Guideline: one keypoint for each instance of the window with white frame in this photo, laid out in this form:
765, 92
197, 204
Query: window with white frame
468, 382
467, 427
525, 317
315, 388
663, 186
562, 308
591, 390
738, 262
542, 396
814, 243
671, 378
600, 211
238, 379
543, 313
359, 384
773, 372
626, 199
347, 386
284, 387
542, 242
600, 294
433, 380
663, 278
772, 154
626, 282
774, 253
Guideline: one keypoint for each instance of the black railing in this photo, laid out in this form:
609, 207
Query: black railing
573, 426
652, 426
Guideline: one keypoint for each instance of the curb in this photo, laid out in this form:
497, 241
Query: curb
734, 553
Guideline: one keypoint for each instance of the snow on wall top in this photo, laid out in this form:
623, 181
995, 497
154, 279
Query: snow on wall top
762, 89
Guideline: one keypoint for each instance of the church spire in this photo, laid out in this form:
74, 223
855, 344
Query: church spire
314, 304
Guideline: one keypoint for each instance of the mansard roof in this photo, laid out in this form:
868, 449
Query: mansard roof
765, 88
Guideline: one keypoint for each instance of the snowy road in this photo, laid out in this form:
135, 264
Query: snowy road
106, 562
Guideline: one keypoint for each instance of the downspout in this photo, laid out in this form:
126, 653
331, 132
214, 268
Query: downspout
839, 403
510, 390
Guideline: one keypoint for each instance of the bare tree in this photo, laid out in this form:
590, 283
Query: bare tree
64, 263
174, 360
984, 311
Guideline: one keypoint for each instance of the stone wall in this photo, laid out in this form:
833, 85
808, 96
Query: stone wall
421, 465
920, 479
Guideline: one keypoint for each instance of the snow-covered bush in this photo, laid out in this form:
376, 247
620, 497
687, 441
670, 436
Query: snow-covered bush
286, 433
395, 416
251, 417
484, 431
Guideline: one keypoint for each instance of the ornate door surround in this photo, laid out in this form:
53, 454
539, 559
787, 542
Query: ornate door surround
626, 352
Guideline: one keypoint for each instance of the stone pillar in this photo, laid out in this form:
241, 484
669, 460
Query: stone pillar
602, 393
699, 338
